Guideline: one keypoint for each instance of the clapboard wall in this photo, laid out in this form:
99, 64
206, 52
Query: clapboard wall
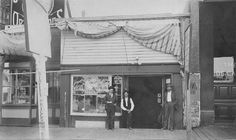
118, 48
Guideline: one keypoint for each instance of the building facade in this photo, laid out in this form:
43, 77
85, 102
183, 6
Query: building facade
101, 54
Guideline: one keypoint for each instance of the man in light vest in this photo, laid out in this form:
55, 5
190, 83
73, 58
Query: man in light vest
127, 106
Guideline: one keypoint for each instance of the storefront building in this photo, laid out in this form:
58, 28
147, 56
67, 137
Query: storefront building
141, 56
19, 97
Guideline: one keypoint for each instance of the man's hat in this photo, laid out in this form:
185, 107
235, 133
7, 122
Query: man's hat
111, 87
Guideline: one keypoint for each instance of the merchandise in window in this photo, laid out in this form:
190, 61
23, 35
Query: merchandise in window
88, 94
17, 87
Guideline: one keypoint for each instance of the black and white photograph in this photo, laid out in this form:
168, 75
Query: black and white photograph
117, 69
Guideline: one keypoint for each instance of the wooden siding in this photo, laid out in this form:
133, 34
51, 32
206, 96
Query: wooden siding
118, 48
225, 102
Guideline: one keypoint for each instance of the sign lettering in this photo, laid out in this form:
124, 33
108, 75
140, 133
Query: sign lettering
18, 12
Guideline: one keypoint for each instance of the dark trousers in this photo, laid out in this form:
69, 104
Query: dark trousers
127, 119
169, 116
110, 109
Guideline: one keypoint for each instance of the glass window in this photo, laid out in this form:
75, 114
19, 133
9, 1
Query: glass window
16, 86
88, 94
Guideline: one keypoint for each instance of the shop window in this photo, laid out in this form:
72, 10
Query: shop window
17, 87
88, 94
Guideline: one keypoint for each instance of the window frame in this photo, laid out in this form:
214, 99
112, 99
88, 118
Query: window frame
72, 94
14, 86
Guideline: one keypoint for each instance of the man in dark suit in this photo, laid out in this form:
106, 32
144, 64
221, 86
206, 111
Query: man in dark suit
110, 102
169, 106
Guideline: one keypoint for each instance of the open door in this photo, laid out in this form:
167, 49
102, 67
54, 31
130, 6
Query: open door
146, 93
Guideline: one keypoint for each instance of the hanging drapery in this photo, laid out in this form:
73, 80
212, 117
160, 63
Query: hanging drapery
158, 35
13, 43
93, 30
163, 36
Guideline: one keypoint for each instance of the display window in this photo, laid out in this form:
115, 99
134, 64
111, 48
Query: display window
17, 87
88, 94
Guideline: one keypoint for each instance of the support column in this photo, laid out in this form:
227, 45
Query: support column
201, 60
206, 62
65, 100
1, 77
42, 89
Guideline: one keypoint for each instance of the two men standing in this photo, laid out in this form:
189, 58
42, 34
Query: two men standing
127, 106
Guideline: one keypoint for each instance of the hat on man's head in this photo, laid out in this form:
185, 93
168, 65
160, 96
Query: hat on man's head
126, 90
111, 87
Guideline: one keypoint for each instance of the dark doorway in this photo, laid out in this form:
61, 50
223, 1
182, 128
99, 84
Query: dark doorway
146, 93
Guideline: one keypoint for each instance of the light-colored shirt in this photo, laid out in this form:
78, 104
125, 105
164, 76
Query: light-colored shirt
126, 102
168, 96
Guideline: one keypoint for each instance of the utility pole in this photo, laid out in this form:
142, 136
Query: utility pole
42, 90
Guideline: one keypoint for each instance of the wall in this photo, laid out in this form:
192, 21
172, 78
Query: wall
201, 52
206, 62
54, 61
224, 45
67, 120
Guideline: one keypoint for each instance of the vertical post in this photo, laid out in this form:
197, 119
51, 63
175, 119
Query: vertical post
1, 77
42, 96
188, 107
65, 110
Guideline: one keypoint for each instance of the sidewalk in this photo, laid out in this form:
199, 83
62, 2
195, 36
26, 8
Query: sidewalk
56, 133
215, 132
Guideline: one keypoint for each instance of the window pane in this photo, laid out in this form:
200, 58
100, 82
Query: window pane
7, 78
23, 79
78, 85
101, 103
23, 95
90, 104
78, 103
6, 95
93, 89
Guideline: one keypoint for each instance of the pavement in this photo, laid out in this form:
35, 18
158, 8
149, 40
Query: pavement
56, 133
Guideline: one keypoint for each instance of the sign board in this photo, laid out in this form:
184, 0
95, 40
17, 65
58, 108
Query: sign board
223, 69
17, 14
37, 28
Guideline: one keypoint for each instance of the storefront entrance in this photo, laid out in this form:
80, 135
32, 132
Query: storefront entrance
146, 93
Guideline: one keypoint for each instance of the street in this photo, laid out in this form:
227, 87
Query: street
213, 132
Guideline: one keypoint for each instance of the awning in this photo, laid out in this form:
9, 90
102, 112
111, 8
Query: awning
13, 42
150, 41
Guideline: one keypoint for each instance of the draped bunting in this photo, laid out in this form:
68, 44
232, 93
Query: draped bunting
166, 39
158, 35
93, 30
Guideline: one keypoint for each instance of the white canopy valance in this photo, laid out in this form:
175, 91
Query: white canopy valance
13, 42
158, 35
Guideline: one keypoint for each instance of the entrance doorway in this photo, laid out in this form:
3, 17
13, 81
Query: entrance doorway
146, 93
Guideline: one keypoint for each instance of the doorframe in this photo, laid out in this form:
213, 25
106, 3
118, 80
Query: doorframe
163, 79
